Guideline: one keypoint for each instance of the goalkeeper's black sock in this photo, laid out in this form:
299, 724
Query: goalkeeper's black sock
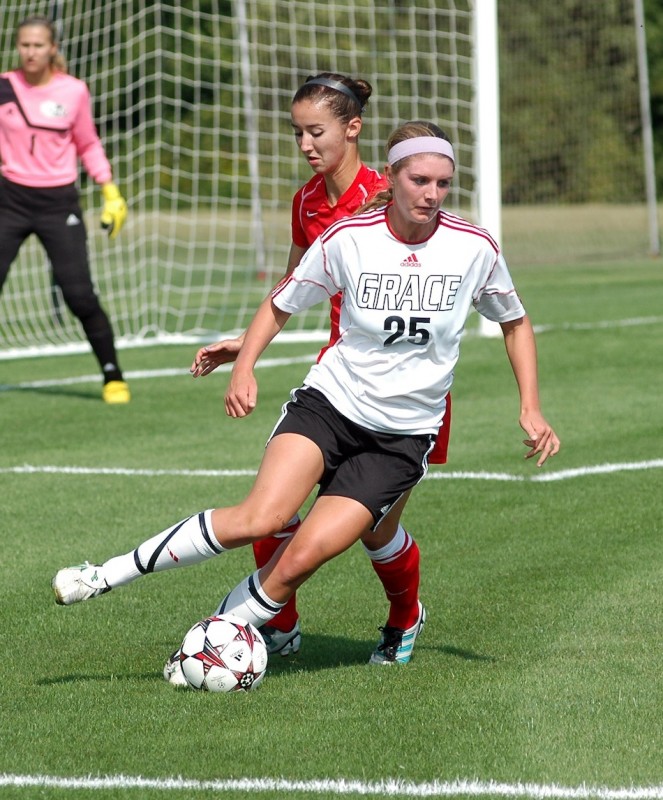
112, 373
100, 336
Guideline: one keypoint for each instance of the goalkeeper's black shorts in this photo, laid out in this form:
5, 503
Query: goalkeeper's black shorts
54, 216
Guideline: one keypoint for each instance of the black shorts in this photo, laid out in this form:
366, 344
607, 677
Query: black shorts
54, 215
373, 468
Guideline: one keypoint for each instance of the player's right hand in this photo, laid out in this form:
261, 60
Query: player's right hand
211, 356
542, 440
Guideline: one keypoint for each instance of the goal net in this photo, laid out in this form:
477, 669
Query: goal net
192, 103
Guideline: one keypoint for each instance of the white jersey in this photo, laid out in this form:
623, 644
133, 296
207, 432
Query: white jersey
403, 313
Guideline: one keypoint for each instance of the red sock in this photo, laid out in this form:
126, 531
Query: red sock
400, 578
263, 550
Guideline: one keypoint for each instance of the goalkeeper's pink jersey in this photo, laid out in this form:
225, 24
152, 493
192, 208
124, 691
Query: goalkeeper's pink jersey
45, 130
403, 313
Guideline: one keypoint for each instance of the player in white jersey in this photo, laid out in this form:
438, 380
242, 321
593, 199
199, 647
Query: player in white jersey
327, 116
404, 309
363, 423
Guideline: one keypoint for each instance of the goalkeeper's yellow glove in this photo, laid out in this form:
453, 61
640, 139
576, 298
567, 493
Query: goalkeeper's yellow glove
114, 212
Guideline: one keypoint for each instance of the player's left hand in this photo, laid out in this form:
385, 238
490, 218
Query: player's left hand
541, 438
114, 212
241, 395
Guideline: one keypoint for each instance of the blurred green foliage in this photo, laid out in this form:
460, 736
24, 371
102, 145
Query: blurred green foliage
569, 98
570, 115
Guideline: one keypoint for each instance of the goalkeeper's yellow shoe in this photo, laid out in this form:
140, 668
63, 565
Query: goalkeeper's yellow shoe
116, 392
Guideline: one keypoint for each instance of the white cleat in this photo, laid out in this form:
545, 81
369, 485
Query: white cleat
282, 642
75, 584
172, 670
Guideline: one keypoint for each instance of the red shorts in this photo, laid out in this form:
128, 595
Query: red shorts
439, 453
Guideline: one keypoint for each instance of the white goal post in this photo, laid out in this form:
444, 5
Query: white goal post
192, 104
488, 186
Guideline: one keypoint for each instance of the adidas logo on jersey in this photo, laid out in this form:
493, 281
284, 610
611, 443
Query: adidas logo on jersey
72, 219
411, 261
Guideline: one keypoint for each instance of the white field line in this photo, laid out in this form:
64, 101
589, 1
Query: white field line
542, 477
173, 372
165, 339
386, 788
285, 337
600, 325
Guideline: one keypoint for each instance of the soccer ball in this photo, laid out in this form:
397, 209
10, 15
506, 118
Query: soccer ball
223, 654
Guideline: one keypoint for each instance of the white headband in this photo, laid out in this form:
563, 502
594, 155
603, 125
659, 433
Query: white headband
420, 144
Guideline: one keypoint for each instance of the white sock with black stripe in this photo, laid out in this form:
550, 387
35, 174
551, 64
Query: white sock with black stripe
190, 541
249, 601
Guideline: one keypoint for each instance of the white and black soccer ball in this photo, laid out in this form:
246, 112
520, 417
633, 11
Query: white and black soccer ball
223, 654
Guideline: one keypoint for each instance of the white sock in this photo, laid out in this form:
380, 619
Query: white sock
249, 601
188, 542
398, 545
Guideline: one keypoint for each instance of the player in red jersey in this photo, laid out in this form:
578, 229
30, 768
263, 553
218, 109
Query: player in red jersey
46, 126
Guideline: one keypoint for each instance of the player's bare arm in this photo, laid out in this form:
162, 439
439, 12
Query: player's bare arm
295, 256
520, 344
208, 358
242, 392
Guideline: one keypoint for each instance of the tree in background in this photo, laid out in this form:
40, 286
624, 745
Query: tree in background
570, 115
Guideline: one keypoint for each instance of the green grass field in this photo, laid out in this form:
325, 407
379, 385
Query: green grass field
538, 674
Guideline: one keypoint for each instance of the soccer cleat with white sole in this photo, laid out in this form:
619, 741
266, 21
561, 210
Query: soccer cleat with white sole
75, 584
396, 645
172, 670
279, 642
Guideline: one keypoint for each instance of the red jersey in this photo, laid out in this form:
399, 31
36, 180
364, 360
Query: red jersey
312, 215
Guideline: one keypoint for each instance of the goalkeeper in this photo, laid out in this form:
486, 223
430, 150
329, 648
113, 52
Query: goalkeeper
46, 127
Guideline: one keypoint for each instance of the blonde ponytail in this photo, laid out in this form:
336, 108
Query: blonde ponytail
59, 63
